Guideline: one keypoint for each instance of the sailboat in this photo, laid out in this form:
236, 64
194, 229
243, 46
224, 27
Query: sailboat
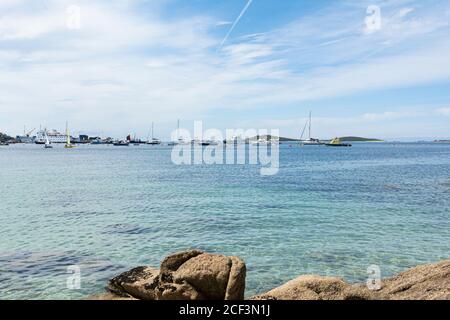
47, 142
68, 145
310, 141
180, 139
154, 141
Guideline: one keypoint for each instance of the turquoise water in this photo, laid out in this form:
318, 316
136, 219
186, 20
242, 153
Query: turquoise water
330, 211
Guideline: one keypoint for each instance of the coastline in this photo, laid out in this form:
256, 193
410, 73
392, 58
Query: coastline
196, 275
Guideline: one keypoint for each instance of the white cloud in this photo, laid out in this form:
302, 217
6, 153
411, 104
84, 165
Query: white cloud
388, 115
223, 23
444, 111
244, 53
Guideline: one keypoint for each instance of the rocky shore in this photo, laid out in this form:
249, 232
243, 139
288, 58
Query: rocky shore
196, 275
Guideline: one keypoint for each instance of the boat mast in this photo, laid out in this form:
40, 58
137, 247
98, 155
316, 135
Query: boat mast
47, 142
178, 129
152, 131
67, 133
304, 129
310, 120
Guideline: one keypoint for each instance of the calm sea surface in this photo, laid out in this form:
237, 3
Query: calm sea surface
329, 211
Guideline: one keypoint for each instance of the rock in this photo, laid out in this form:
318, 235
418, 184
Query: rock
214, 277
135, 283
208, 273
426, 282
108, 297
361, 292
309, 287
178, 291
195, 275
174, 261
188, 275
236, 281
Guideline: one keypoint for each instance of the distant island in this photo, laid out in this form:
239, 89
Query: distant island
270, 137
359, 139
348, 139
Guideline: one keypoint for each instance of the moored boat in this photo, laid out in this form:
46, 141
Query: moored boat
97, 141
206, 143
310, 141
153, 141
68, 144
336, 142
121, 143
180, 140
48, 144
53, 136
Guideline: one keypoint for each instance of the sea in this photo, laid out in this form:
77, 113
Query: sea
70, 219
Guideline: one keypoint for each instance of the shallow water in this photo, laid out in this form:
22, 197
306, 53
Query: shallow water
330, 211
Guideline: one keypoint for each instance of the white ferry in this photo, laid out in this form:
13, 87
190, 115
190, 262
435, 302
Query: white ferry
53, 137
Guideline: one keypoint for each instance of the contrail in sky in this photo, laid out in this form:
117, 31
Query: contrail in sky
235, 23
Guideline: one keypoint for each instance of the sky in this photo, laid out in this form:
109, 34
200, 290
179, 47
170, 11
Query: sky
373, 68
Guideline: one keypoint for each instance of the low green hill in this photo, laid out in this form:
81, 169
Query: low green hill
359, 139
269, 137
348, 139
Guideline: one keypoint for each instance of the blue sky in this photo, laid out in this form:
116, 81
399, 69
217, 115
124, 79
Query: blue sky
132, 62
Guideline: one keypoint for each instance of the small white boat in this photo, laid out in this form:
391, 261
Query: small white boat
154, 141
259, 142
47, 144
121, 143
310, 141
235, 140
180, 140
68, 145
263, 142
206, 143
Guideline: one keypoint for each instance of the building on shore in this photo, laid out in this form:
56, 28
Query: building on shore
25, 139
